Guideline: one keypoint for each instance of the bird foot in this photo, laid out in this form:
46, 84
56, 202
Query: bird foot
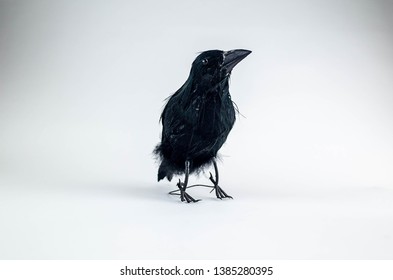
219, 191
183, 195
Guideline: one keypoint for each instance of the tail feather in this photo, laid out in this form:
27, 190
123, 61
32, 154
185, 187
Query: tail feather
164, 171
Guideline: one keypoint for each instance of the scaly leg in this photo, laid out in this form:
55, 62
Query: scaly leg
219, 191
183, 186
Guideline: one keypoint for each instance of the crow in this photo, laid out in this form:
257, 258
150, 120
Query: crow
197, 120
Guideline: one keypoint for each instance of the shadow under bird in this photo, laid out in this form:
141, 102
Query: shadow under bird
197, 120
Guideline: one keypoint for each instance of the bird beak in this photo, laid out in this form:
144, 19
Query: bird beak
232, 58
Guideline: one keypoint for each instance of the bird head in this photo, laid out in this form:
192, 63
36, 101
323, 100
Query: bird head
216, 65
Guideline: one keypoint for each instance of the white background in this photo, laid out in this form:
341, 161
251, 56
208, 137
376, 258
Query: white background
310, 166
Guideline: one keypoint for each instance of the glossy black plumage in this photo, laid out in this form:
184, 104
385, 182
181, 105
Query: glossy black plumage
199, 116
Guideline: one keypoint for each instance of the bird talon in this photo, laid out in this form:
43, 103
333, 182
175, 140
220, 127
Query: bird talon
185, 197
221, 194
189, 198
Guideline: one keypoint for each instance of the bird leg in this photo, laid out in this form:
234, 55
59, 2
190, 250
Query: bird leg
219, 191
183, 186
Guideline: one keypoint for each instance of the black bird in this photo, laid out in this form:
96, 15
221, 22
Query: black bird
197, 119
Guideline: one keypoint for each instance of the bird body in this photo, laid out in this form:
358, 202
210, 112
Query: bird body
199, 116
195, 126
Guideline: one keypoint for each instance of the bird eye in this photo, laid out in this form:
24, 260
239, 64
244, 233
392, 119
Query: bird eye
205, 61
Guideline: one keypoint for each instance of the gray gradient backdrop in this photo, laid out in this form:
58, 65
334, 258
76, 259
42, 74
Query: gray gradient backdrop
82, 85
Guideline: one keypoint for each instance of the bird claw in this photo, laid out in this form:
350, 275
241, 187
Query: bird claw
220, 193
183, 195
188, 198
